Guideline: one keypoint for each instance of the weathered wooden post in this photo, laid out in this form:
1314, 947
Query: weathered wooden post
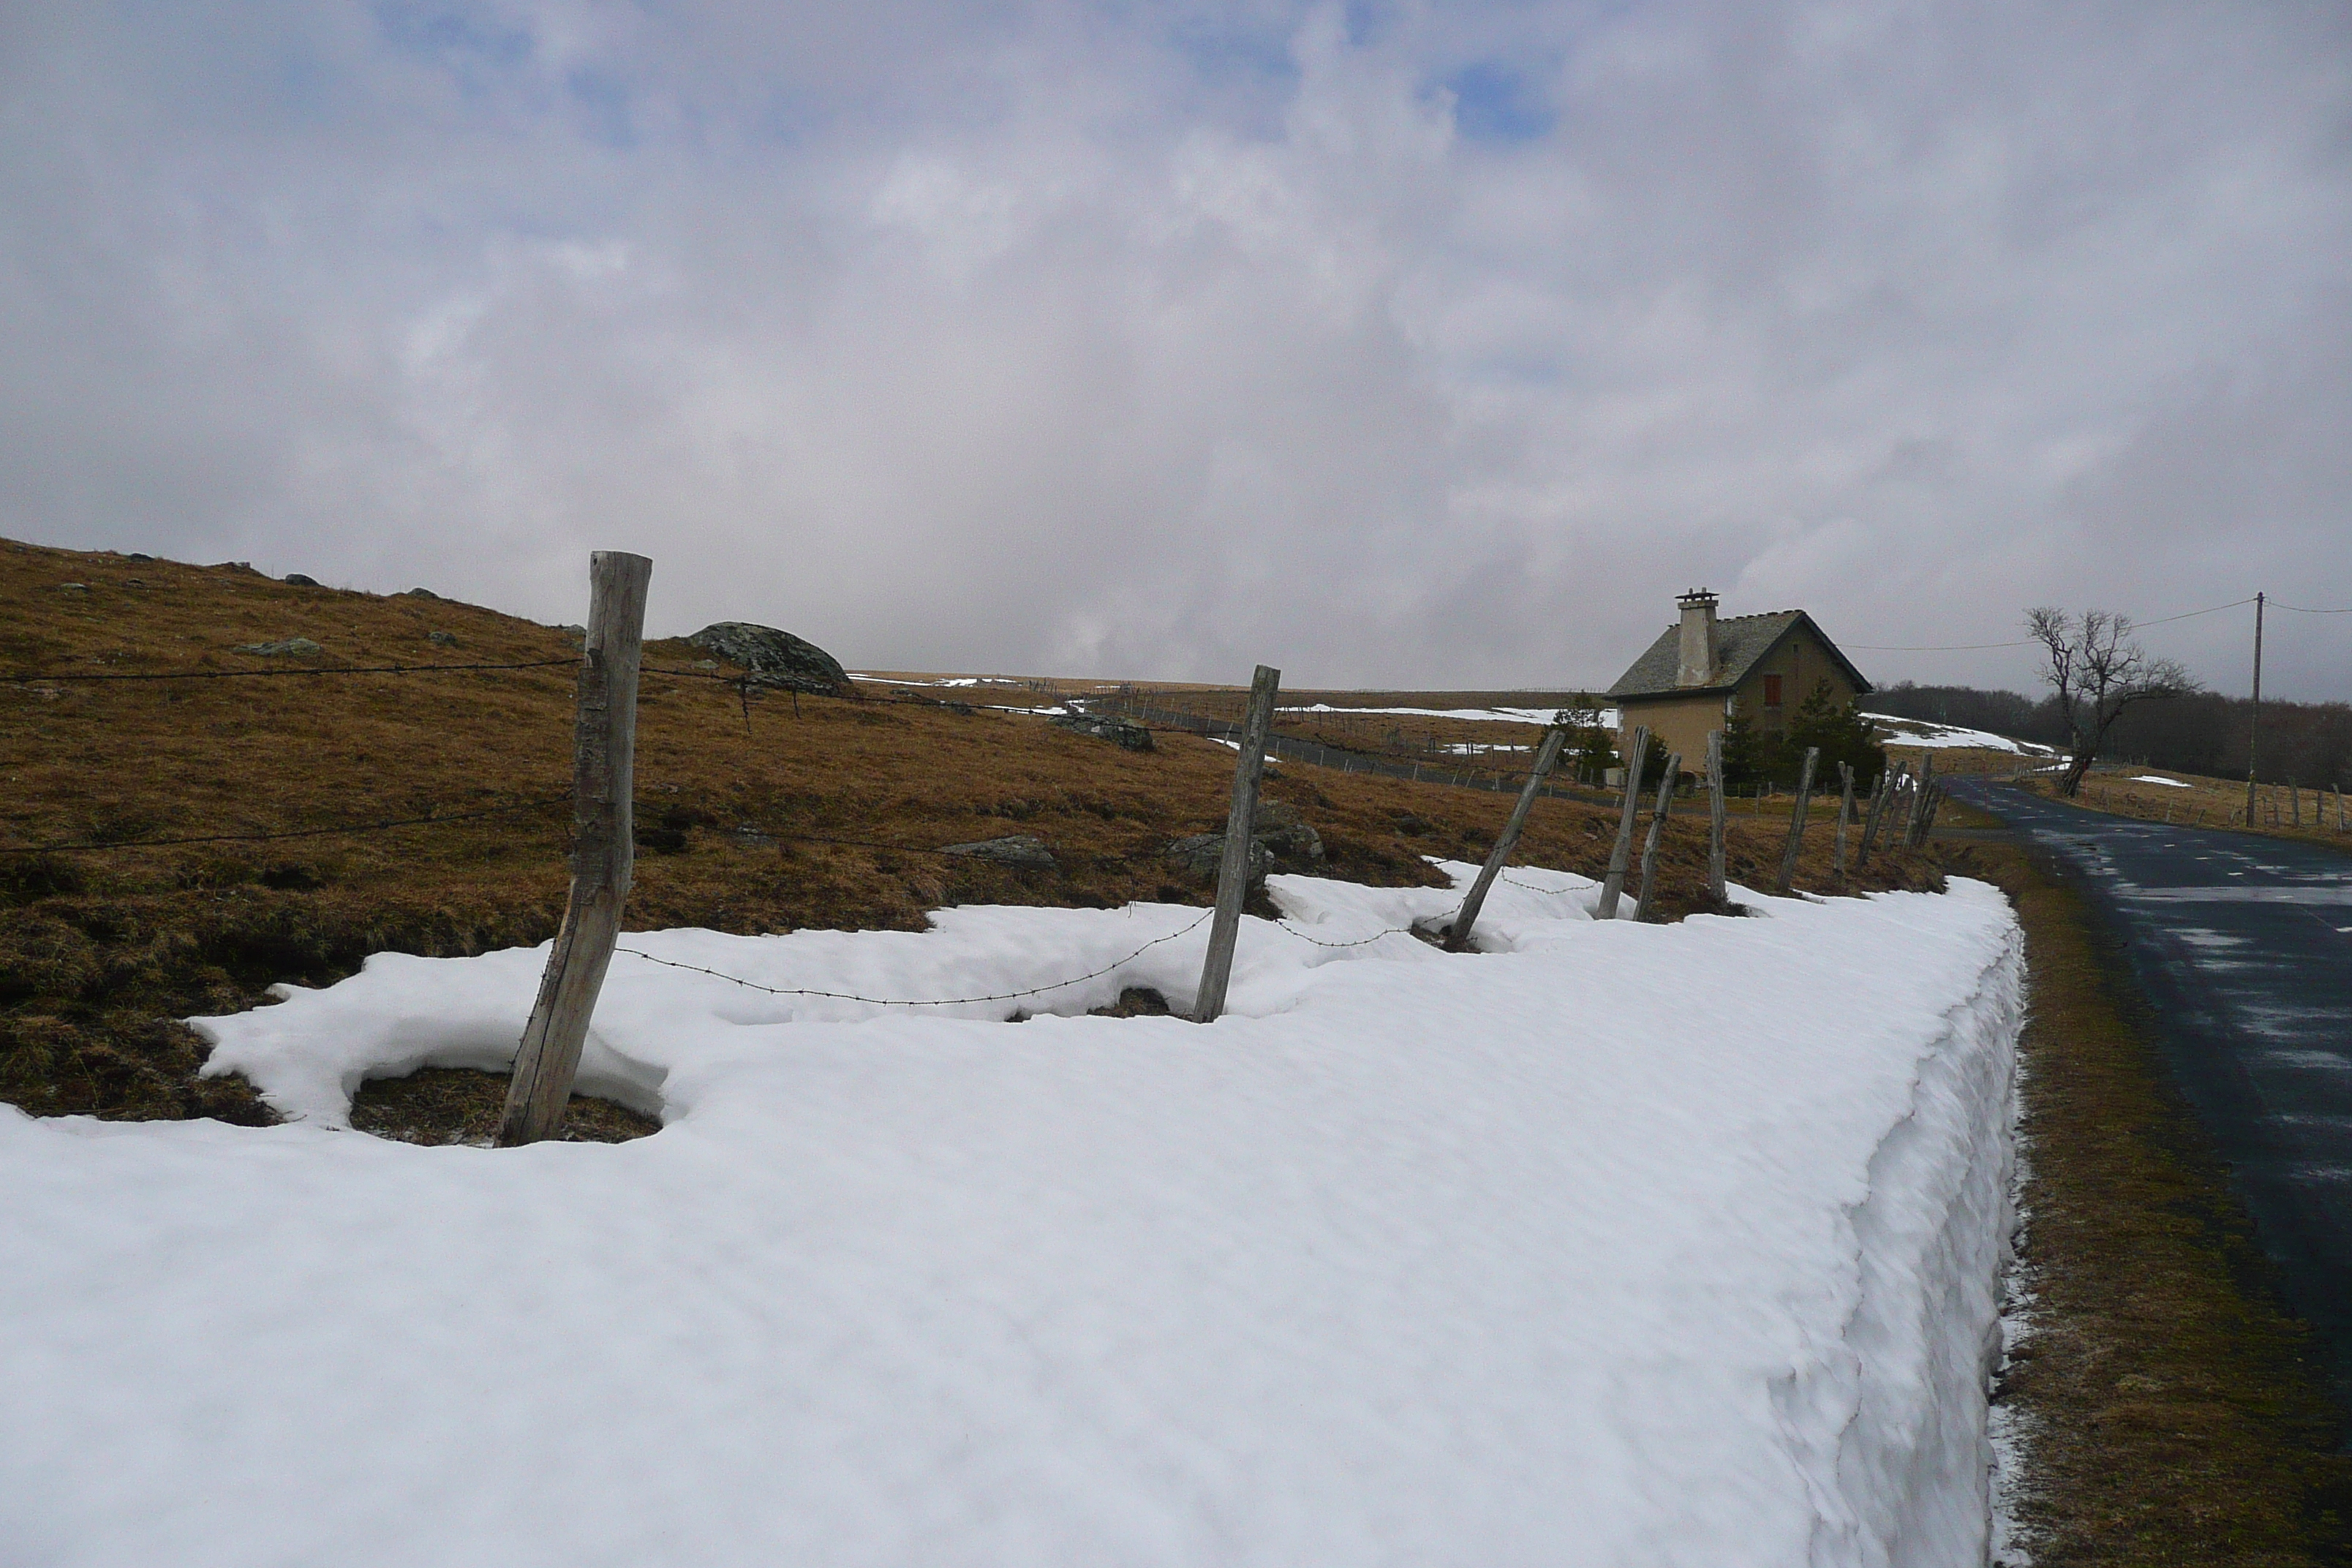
1845, 814
1657, 828
1908, 836
1788, 877
1890, 782
1715, 888
604, 769
1234, 866
1458, 936
1621, 854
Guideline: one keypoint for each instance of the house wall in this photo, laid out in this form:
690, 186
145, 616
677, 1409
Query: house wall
1681, 724
1801, 664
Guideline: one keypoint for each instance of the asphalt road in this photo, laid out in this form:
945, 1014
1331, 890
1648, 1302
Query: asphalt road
2242, 946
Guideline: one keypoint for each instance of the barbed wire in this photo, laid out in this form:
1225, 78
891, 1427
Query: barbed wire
1363, 942
935, 1002
292, 670
343, 829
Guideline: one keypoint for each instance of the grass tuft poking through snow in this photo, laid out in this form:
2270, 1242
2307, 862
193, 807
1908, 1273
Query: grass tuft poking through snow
1610, 1243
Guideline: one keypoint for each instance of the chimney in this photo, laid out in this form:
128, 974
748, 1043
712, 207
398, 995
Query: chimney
1697, 664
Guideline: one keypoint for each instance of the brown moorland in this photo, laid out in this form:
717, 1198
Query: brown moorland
755, 814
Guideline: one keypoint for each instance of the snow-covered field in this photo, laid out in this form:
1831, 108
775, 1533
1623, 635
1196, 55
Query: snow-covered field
1922, 732
1614, 1243
1608, 718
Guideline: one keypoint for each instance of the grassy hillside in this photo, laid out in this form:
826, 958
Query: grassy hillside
769, 816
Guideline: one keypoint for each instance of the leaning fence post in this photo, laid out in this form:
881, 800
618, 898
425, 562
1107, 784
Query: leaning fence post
1879, 789
1234, 866
604, 768
1919, 800
1796, 824
1715, 888
1657, 827
1458, 938
1621, 854
1845, 814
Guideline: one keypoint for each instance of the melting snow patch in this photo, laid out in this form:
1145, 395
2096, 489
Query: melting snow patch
1614, 1243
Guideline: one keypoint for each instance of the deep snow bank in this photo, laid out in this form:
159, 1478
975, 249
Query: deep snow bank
1619, 1245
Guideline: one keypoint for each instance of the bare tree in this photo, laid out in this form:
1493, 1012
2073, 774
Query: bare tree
2097, 671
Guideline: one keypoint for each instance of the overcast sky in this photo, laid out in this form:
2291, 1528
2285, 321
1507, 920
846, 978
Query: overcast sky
1433, 346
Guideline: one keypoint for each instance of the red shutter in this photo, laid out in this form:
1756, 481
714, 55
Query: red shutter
1771, 692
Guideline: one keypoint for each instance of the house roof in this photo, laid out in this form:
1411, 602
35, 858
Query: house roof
1741, 643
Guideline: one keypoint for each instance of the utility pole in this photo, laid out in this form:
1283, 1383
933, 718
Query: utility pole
2254, 729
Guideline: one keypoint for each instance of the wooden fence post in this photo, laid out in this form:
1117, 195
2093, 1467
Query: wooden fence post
1234, 867
1845, 814
1621, 854
1890, 784
1715, 888
1657, 827
1458, 936
1787, 875
604, 776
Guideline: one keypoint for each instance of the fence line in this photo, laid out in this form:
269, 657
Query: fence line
939, 1002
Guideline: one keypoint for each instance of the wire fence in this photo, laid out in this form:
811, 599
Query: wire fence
1281, 746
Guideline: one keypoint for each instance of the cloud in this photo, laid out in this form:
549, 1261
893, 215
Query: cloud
1416, 344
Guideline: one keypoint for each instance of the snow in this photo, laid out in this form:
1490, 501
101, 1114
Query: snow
1501, 715
2157, 779
1921, 733
1611, 1244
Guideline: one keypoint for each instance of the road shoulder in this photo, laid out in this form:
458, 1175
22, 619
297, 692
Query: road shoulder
2169, 1406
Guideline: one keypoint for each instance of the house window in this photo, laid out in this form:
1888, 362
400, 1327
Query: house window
1771, 692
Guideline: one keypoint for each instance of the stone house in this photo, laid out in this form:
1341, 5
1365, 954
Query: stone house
1691, 679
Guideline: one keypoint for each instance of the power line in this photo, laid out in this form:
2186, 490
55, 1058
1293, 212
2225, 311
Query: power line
2029, 642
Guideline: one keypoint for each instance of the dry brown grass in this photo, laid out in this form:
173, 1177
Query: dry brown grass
2173, 1417
100, 951
2212, 803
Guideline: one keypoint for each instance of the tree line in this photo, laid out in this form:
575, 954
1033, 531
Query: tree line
2196, 732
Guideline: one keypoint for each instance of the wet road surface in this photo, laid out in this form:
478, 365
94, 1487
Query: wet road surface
2242, 946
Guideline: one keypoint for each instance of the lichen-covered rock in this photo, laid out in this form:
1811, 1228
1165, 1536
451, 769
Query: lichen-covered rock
775, 658
296, 647
1020, 851
1123, 732
1278, 838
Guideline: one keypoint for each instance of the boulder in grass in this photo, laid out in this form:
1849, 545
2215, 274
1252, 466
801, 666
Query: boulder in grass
292, 648
1124, 732
1019, 852
1281, 830
1199, 856
775, 657
300, 580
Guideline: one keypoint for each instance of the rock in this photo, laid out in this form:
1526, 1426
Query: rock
780, 659
1279, 837
421, 593
300, 580
1198, 856
73, 588
442, 639
298, 647
1123, 732
244, 566
139, 555
1021, 851
1280, 828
